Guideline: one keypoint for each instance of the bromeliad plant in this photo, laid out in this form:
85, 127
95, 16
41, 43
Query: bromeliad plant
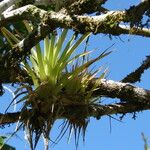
60, 85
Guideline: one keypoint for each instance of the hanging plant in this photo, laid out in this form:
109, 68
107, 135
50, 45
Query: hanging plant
60, 85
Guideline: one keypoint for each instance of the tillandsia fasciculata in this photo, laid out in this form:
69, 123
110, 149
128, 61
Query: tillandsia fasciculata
60, 80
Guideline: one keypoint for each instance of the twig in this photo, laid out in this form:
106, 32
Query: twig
135, 76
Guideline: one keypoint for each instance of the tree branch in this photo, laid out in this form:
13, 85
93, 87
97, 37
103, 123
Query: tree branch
5, 4
135, 13
135, 99
14, 117
107, 23
123, 91
96, 111
136, 75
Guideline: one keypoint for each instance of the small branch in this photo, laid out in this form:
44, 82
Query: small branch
5, 4
135, 31
13, 117
123, 91
96, 111
118, 108
9, 118
135, 13
24, 46
136, 75
28, 12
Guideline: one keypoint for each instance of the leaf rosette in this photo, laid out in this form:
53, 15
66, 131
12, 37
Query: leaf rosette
60, 84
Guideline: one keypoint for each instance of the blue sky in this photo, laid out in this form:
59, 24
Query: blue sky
127, 55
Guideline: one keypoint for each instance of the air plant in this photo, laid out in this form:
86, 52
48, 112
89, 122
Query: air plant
60, 85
